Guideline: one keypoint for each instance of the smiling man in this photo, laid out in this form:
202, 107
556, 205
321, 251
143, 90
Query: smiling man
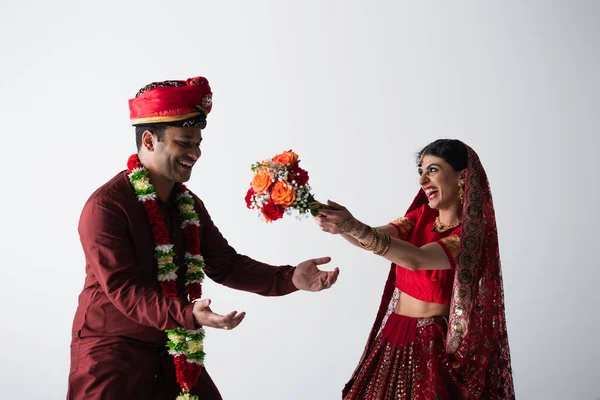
148, 242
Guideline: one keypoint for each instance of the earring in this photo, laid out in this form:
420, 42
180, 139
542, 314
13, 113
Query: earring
461, 194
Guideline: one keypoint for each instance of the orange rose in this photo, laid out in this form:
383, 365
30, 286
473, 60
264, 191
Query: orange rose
287, 157
283, 194
261, 182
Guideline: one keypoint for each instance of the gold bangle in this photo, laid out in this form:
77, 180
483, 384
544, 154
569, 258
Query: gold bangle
389, 245
385, 245
376, 245
380, 242
377, 240
373, 242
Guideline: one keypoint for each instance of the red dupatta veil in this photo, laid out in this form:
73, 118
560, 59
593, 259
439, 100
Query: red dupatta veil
477, 340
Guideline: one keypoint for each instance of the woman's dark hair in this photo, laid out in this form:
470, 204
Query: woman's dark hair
453, 151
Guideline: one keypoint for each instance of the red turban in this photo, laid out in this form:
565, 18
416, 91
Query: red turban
172, 102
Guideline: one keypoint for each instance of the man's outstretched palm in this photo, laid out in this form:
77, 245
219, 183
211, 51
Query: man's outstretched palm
308, 276
208, 318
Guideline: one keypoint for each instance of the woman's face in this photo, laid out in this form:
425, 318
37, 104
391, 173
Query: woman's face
439, 182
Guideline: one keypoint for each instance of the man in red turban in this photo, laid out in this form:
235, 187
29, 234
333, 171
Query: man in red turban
148, 243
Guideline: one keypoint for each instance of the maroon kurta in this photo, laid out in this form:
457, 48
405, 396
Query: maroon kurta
118, 344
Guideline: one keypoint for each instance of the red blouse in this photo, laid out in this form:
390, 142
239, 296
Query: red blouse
434, 286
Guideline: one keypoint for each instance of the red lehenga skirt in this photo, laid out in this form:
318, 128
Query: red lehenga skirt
407, 361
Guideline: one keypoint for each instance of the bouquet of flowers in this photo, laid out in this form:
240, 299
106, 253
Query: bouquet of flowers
280, 186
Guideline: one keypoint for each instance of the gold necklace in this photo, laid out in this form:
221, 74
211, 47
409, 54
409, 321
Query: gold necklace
439, 227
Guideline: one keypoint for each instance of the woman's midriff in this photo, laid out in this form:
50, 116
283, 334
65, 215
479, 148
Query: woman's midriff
411, 307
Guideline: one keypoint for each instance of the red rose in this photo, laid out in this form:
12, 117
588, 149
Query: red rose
272, 211
249, 197
299, 175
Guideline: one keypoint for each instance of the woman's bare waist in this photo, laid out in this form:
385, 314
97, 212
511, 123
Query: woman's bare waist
411, 307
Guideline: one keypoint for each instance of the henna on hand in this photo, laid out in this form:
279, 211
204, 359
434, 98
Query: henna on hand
365, 233
352, 227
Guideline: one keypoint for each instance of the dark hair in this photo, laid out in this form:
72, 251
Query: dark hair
453, 151
157, 129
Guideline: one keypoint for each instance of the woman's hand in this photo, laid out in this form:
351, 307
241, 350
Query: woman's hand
336, 219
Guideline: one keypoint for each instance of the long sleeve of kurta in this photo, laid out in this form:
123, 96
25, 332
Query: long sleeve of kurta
110, 256
225, 266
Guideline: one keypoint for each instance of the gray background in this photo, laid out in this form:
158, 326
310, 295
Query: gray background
356, 88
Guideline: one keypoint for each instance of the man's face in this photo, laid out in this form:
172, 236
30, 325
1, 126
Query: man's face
175, 155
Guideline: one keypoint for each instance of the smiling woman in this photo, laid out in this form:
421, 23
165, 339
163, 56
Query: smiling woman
442, 166
440, 331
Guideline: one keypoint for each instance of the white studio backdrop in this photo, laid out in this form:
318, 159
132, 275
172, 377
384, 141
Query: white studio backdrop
356, 88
